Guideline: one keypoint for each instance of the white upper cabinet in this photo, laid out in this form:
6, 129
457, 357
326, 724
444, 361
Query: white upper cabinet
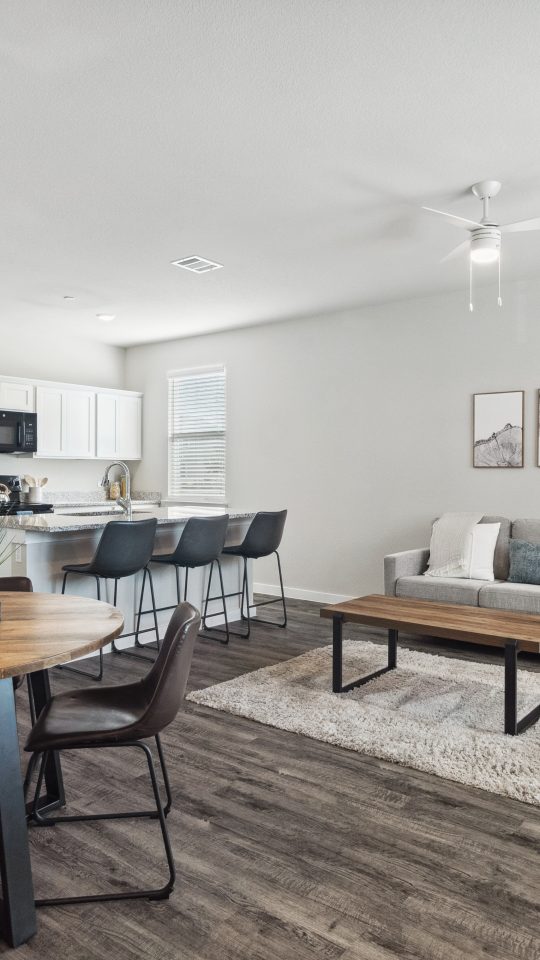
66, 422
119, 426
79, 423
16, 395
49, 421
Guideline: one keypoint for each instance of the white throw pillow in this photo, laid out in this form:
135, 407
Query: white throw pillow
484, 539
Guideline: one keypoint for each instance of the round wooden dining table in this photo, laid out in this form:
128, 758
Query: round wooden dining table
37, 631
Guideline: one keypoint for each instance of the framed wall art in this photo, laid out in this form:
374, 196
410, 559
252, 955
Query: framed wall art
498, 429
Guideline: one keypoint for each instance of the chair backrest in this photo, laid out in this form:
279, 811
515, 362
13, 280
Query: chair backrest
202, 541
17, 584
264, 534
165, 684
125, 547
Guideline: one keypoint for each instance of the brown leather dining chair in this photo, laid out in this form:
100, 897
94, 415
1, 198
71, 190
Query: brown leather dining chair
127, 715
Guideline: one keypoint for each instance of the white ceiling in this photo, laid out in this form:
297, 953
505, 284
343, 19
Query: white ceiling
290, 140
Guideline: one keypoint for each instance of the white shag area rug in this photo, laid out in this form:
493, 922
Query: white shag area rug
437, 714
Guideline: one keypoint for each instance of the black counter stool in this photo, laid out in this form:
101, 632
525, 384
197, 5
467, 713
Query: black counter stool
261, 540
200, 545
125, 548
121, 716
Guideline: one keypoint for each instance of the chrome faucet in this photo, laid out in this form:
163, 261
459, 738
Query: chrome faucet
124, 502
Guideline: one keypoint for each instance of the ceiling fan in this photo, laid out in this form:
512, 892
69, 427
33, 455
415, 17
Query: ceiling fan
484, 241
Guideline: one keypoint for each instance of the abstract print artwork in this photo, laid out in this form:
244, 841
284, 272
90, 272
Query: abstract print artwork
498, 429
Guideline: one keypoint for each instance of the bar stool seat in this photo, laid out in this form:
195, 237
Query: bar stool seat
124, 549
261, 540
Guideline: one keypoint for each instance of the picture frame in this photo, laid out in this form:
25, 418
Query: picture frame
498, 423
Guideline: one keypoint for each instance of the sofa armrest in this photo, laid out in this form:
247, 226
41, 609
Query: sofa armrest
409, 563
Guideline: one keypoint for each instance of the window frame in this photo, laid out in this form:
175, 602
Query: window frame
187, 372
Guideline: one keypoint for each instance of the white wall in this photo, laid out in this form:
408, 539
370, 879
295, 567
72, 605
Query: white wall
360, 424
69, 360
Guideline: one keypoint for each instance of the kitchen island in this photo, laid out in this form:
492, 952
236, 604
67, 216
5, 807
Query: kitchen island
42, 544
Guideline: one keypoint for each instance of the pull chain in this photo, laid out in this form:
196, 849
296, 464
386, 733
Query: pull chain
499, 300
471, 307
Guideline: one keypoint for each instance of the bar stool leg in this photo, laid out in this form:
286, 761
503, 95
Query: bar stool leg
85, 673
132, 653
264, 603
177, 569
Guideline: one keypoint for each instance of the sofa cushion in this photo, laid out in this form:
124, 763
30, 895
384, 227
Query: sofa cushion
524, 562
501, 560
518, 597
440, 589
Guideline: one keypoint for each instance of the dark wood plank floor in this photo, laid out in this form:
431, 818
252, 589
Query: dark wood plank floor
287, 849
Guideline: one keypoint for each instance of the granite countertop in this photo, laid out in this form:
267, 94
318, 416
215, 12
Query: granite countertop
56, 523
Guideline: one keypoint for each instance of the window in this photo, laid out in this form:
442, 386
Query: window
197, 420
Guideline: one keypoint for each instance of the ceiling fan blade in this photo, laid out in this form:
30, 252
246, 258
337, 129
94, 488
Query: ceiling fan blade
456, 221
520, 225
461, 247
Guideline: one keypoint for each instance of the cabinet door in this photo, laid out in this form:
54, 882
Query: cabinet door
128, 427
16, 396
49, 403
106, 426
79, 423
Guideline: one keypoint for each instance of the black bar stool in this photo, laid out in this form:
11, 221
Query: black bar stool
125, 548
261, 540
201, 544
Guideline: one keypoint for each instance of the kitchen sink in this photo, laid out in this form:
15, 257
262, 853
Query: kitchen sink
111, 512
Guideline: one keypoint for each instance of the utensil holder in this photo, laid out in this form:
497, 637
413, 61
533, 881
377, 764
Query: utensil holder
35, 494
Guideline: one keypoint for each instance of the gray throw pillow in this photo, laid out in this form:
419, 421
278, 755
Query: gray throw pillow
524, 562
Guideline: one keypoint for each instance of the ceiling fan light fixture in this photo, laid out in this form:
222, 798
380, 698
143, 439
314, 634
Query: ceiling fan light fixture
485, 245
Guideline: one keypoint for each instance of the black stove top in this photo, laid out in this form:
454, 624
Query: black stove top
15, 508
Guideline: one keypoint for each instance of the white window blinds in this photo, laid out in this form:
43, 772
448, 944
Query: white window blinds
197, 423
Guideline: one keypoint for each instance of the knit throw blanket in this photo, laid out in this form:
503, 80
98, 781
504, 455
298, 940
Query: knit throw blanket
450, 548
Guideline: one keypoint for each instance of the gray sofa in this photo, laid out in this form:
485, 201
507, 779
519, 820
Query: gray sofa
403, 575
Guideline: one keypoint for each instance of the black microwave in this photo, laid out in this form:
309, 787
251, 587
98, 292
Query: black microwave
18, 432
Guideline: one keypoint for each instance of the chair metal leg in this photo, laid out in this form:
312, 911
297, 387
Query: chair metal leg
159, 893
85, 673
165, 774
177, 569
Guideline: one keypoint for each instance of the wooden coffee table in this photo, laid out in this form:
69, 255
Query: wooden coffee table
516, 632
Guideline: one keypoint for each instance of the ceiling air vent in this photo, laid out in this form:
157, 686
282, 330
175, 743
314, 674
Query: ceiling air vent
197, 264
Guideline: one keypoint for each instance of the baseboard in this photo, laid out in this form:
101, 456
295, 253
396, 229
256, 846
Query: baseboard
298, 593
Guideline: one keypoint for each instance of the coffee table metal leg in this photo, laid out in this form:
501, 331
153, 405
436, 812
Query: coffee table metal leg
337, 658
510, 687
392, 649
512, 725
337, 652
17, 906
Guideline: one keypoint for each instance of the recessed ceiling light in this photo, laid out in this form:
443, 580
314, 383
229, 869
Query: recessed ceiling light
106, 317
197, 264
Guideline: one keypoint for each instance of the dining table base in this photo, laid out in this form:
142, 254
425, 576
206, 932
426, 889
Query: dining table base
18, 911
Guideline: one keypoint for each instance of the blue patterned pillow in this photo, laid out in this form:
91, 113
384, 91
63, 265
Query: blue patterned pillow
524, 562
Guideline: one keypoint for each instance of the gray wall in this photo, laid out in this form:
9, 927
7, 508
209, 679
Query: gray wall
360, 424
70, 361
